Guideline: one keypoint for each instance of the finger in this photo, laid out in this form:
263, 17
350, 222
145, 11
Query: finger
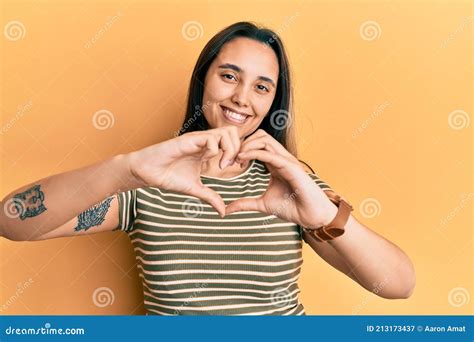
255, 135
212, 147
273, 145
261, 143
285, 168
245, 204
235, 138
191, 143
265, 156
228, 149
211, 197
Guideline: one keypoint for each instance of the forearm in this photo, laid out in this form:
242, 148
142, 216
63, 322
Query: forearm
379, 265
41, 206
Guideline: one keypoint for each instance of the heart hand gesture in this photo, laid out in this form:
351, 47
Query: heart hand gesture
176, 164
292, 194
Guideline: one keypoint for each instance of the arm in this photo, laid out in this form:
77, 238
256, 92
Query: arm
57, 202
378, 265
373, 260
35, 210
332, 257
102, 217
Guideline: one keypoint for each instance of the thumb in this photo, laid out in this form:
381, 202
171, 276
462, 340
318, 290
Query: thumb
211, 197
243, 204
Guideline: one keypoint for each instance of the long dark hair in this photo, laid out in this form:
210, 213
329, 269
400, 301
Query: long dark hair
279, 122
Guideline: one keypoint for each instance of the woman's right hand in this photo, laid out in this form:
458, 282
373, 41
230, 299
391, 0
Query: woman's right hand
176, 164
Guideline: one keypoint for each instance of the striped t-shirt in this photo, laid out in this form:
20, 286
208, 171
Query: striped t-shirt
193, 262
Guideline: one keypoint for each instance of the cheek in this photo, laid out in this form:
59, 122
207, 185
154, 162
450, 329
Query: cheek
255, 123
263, 105
215, 90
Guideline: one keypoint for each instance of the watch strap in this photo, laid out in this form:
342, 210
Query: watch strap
336, 227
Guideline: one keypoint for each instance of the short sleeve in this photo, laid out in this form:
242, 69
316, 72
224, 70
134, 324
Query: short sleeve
127, 208
322, 184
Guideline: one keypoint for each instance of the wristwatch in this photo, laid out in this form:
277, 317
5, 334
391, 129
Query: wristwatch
336, 227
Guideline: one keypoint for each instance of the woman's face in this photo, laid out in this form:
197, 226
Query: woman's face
241, 80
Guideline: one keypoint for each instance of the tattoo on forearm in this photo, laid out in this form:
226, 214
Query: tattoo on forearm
93, 216
29, 203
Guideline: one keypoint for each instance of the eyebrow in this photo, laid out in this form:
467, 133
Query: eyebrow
238, 69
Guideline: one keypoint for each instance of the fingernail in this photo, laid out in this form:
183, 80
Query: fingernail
223, 164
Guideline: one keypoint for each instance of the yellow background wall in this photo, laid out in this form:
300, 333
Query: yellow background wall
383, 105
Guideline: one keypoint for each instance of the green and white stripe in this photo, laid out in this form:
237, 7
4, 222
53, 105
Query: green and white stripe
192, 262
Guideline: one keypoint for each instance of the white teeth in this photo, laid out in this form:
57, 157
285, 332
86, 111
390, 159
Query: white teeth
235, 116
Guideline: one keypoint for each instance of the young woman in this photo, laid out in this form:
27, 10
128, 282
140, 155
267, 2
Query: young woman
216, 215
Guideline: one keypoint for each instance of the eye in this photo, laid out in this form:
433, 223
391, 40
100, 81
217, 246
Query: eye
263, 88
225, 76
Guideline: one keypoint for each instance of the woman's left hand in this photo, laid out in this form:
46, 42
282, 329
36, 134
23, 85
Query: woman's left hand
292, 194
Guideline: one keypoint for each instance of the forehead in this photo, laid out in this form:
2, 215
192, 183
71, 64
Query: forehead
253, 57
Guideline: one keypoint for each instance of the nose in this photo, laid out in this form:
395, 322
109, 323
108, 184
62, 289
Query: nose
241, 96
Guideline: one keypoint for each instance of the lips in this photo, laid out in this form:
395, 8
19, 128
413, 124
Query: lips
234, 117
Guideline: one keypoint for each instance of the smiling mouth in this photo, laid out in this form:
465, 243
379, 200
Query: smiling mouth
233, 117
